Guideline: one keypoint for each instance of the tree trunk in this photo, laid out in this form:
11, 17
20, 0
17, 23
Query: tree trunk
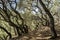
51, 19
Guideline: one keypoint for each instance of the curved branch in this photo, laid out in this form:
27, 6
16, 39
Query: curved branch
9, 20
6, 31
51, 18
16, 12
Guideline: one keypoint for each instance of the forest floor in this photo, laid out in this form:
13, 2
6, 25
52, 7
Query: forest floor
41, 34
